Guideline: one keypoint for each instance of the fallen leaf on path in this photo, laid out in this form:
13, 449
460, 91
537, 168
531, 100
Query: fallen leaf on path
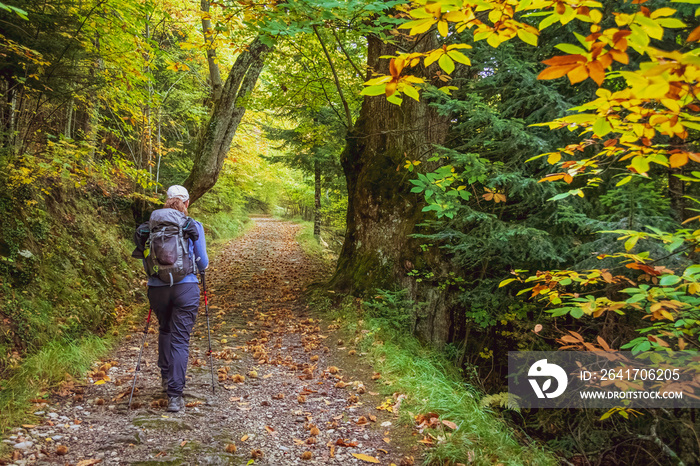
387, 440
244, 438
231, 448
341, 442
307, 455
89, 462
183, 443
369, 459
450, 424
270, 430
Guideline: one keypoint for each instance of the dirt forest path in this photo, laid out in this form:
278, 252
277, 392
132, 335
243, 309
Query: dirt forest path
283, 393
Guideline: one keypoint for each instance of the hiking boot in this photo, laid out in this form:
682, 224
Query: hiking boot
175, 404
164, 384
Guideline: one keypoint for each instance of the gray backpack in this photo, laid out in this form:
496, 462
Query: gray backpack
167, 251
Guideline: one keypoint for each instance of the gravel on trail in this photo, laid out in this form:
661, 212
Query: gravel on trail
288, 390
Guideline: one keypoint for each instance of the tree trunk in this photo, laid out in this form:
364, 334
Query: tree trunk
382, 212
317, 199
216, 136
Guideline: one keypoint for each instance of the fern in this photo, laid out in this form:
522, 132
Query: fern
503, 400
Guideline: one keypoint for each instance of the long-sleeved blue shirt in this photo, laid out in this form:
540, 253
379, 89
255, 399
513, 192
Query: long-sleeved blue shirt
198, 250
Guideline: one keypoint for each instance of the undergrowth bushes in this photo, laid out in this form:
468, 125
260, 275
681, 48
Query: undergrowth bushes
65, 279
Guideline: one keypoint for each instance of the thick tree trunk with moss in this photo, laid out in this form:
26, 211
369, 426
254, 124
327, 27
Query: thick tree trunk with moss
216, 136
382, 212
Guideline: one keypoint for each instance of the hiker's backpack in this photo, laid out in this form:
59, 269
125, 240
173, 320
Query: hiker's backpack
162, 243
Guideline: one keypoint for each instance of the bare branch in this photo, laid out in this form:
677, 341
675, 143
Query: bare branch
348, 115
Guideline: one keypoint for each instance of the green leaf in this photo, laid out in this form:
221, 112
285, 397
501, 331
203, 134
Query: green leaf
374, 90
548, 21
527, 36
395, 99
644, 346
671, 23
576, 313
640, 164
560, 196
630, 243
571, 49
669, 280
624, 180
506, 281
446, 63
459, 57
602, 127
583, 41
411, 91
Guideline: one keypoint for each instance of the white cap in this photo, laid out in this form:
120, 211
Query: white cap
178, 191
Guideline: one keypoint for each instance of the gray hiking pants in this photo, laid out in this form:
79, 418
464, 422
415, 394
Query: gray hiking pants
176, 307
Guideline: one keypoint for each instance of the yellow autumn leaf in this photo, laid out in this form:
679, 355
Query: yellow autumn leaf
369, 459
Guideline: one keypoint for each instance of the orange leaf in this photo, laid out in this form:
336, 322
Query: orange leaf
678, 159
565, 60
693, 36
450, 424
369, 459
390, 88
578, 74
554, 72
597, 72
569, 339
621, 57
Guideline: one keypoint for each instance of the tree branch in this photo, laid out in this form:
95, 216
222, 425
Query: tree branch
340, 44
348, 115
214, 73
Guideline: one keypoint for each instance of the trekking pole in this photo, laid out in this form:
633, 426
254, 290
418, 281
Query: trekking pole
138, 362
206, 310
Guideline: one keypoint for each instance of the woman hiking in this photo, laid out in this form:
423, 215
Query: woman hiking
175, 252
